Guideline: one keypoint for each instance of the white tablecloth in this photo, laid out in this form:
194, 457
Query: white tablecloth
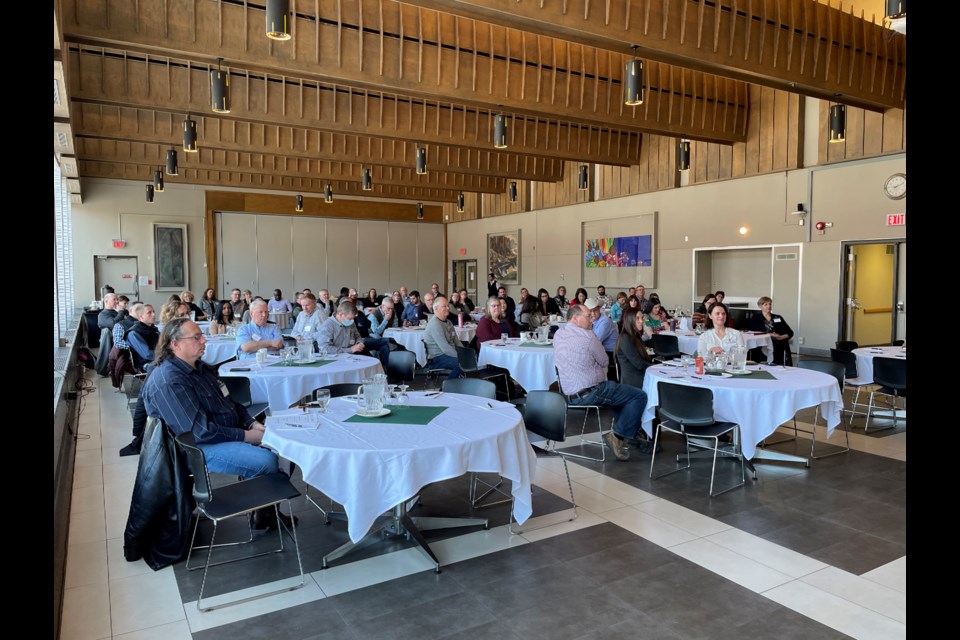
282, 318
369, 468
219, 348
865, 356
532, 367
412, 339
758, 406
280, 387
688, 340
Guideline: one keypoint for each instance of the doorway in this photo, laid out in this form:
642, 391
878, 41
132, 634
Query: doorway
120, 272
874, 292
465, 277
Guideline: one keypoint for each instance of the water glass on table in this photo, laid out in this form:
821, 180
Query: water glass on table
322, 400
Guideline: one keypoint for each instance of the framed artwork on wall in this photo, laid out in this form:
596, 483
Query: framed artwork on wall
170, 256
503, 256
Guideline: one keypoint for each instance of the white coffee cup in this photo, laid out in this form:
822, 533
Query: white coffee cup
261, 356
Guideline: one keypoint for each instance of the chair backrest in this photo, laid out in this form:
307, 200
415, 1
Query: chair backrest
202, 490
836, 369
847, 345
545, 414
890, 372
471, 387
401, 366
897, 343
340, 390
239, 388
467, 358
289, 341
848, 359
666, 345
685, 404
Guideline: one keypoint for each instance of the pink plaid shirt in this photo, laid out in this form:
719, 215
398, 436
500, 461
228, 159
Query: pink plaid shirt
580, 358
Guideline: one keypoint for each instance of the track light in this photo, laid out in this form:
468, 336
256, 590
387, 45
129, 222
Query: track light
460, 202
366, 180
158, 180
838, 123
633, 81
513, 191
149, 192
500, 131
189, 134
328, 193
683, 155
220, 89
419, 211
299, 204
278, 19
172, 168
583, 180
421, 160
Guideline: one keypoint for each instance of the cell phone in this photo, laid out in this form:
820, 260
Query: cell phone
242, 369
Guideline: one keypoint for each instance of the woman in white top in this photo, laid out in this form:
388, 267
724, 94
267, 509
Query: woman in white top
718, 338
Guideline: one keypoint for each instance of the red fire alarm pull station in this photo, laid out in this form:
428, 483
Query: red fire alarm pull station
119, 244
463, 252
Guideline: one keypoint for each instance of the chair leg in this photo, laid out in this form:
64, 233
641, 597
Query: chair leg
573, 501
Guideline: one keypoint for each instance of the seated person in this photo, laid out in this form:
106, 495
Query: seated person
209, 303
428, 299
383, 317
531, 315
548, 306
339, 334
631, 352
119, 361
108, 317
603, 326
652, 323
457, 308
435, 290
617, 308
700, 312
776, 327
510, 306
561, 297
238, 303
223, 319
309, 319
279, 304
370, 301
246, 314
415, 311
187, 298
719, 338
524, 294
582, 365
173, 309
494, 323
602, 296
579, 297
258, 333
440, 340
143, 337
466, 301
325, 303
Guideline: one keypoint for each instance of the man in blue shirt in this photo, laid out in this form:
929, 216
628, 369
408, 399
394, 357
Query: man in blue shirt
603, 326
415, 311
258, 333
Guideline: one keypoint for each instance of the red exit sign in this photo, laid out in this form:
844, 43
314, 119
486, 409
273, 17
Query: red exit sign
896, 219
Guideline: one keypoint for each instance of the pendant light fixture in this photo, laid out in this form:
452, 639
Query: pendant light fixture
299, 206
220, 89
683, 155
513, 191
583, 179
173, 168
328, 193
500, 131
633, 80
838, 122
421, 160
366, 180
278, 19
158, 180
419, 211
460, 202
149, 192
189, 134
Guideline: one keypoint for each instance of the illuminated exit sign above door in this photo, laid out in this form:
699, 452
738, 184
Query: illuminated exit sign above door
896, 219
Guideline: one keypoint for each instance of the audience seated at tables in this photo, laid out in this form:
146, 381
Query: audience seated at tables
383, 317
440, 340
494, 323
457, 309
108, 316
142, 337
415, 311
172, 309
278, 304
428, 299
325, 303
258, 333
187, 298
602, 296
579, 297
652, 324
209, 303
466, 301
223, 319
603, 327
530, 314
524, 294
309, 319
339, 333
119, 361
644, 301
776, 327
246, 314
370, 301
239, 305
295, 306
617, 308
700, 311
561, 297
510, 306
719, 338
404, 298
398, 303
633, 302
546, 304
582, 364
435, 290
631, 352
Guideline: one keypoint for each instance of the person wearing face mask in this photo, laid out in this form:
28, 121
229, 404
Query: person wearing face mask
279, 304
339, 334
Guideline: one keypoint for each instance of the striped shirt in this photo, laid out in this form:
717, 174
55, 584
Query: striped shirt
580, 358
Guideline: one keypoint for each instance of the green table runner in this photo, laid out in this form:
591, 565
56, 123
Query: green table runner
312, 363
536, 344
403, 415
753, 375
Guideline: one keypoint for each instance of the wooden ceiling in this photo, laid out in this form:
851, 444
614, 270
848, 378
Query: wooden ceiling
362, 82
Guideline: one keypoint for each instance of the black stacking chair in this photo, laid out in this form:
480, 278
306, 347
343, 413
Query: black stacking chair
847, 345
239, 388
467, 358
401, 367
586, 408
891, 375
666, 347
471, 387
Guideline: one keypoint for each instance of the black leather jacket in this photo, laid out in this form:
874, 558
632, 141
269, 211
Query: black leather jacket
158, 525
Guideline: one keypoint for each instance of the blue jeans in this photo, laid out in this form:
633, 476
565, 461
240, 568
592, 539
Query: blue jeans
626, 402
239, 459
446, 362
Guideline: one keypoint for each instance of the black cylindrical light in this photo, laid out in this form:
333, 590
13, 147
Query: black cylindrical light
299, 201
366, 180
173, 169
583, 180
189, 134
513, 191
896, 8
419, 211
278, 19
149, 192
683, 155
158, 180
220, 89
500, 131
461, 201
327, 193
421, 160
838, 123
633, 83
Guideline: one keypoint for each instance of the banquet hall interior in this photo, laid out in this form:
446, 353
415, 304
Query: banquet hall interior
755, 148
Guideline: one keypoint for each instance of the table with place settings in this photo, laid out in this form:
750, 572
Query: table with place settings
219, 348
865, 356
688, 341
530, 364
412, 339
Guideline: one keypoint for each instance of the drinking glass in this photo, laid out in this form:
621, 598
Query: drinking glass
403, 398
293, 354
323, 399
503, 338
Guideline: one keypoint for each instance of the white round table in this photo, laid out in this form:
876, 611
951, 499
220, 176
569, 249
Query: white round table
412, 339
688, 341
531, 366
758, 406
219, 348
865, 356
371, 467
281, 386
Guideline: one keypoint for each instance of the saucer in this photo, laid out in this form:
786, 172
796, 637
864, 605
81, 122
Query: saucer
378, 414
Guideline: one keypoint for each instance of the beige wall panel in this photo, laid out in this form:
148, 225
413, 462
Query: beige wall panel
430, 267
342, 255
819, 296
237, 233
274, 256
851, 196
786, 286
309, 254
743, 274
374, 246
403, 254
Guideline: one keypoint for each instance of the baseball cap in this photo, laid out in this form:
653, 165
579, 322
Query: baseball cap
591, 303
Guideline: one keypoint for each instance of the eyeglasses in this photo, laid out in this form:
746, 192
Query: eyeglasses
197, 337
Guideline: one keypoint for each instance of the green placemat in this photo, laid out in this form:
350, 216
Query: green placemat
759, 375
403, 415
312, 363
536, 344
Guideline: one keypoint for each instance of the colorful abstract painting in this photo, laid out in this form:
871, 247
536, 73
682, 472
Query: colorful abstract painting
628, 251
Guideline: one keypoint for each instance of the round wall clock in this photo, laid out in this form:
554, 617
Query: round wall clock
895, 186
